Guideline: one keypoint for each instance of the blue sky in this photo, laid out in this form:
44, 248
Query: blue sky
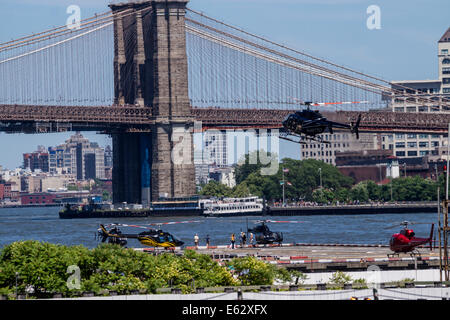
404, 48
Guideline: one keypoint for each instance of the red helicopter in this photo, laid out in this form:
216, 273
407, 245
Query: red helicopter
406, 242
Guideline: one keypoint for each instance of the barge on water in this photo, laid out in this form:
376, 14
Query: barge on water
162, 208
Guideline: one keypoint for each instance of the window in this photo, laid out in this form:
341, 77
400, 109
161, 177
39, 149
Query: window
444, 51
423, 144
435, 143
446, 61
400, 145
399, 136
423, 136
423, 109
412, 144
424, 152
446, 90
412, 136
446, 70
400, 153
412, 153
445, 80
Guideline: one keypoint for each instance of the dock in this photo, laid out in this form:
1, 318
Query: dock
411, 207
394, 208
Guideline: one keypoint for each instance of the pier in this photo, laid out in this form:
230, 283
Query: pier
399, 208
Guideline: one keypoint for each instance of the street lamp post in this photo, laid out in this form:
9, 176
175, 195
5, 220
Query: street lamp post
284, 203
320, 179
320, 176
390, 169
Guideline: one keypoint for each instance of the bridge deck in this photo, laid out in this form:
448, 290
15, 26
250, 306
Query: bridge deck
134, 119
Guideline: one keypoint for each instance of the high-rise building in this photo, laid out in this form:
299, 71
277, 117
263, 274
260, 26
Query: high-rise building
444, 61
108, 157
78, 156
410, 145
215, 150
340, 141
36, 161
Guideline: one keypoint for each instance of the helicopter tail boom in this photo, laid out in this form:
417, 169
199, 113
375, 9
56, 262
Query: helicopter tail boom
104, 233
355, 128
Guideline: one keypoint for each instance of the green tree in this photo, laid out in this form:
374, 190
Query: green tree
216, 189
359, 193
373, 190
342, 195
252, 271
323, 196
106, 196
340, 278
43, 266
264, 186
252, 163
241, 190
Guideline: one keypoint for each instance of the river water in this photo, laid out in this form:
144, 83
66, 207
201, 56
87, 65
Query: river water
43, 224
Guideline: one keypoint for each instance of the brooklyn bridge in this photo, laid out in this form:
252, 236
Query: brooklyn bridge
145, 72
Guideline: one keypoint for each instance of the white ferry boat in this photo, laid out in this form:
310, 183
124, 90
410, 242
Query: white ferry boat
232, 207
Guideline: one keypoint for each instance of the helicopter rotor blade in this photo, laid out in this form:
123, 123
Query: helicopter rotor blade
170, 222
129, 225
406, 223
149, 224
286, 221
322, 104
279, 221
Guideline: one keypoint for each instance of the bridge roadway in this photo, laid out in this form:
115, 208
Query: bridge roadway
323, 257
128, 118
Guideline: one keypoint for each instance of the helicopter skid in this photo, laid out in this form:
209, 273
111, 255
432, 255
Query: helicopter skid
413, 254
301, 139
318, 139
292, 140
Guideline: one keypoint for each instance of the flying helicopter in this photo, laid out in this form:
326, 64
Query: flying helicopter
406, 242
307, 124
152, 237
263, 235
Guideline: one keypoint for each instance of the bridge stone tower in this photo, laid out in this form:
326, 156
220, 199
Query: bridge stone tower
150, 70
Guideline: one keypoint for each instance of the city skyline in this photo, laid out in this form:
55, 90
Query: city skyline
30, 144
335, 31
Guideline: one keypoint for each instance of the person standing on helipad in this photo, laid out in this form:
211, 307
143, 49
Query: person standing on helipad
233, 239
196, 240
